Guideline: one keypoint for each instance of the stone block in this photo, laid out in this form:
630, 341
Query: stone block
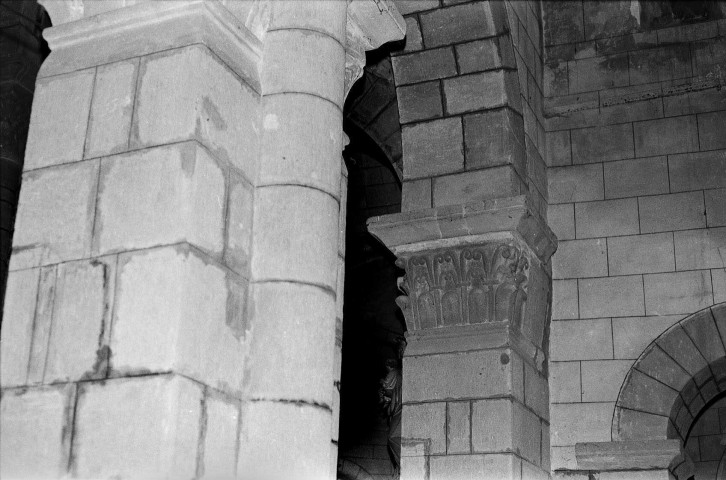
580, 422
668, 62
423, 66
563, 457
426, 421
715, 207
17, 329
555, 79
718, 277
113, 101
666, 136
55, 215
495, 138
59, 119
631, 178
602, 379
174, 311
160, 196
78, 343
489, 466
503, 425
220, 438
458, 427
414, 40
705, 336
303, 61
565, 382
611, 297
561, 219
563, 23
433, 148
484, 54
564, 299
608, 19
711, 130
475, 186
35, 432
688, 32
238, 235
146, 427
457, 24
479, 91
297, 331
205, 101
659, 365
696, 171
678, 211
700, 249
607, 218
406, 7
559, 148
42, 325
597, 73
602, 143
694, 102
580, 259
419, 102
579, 183
416, 195
633, 425
641, 254
281, 255
476, 374
677, 293
646, 394
275, 432
581, 340
297, 149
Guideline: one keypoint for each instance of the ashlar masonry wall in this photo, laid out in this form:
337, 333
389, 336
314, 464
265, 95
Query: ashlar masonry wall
636, 153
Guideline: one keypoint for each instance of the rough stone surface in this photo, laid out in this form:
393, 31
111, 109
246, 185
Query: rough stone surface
700, 249
575, 184
419, 102
479, 91
641, 254
17, 329
161, 196
580, 259
581, 340
715, 211
677, 211
665, 136
499, 466
607, 218
426, 421
611, 297
695, 171
458, 431
580, 422
564, 299
457, 24
145, 426
425, 65
220, 441
433, 148
601, 379
475, 186
602, 144
240, 210
630, 178
565, 382
59, 119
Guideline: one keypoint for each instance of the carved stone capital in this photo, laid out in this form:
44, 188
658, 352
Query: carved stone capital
370, 24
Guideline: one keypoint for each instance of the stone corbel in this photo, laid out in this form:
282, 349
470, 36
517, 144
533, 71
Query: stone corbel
370, 24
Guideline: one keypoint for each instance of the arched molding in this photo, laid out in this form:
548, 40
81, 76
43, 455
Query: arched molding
679, 373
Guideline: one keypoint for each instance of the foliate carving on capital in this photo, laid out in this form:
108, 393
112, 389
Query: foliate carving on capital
464, 285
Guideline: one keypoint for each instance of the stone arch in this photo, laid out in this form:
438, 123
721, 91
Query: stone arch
679, 374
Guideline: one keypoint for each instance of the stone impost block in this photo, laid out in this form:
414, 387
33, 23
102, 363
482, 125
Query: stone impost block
282, 440
59, 120
161, 196
295, 236
487, 467
176, 311
35, 431
292, 343
433, 148
55, 215
202, 100
17, 330
145, 427
113, 101
475, 186
301, 142
644, 454
416, 195
479, 91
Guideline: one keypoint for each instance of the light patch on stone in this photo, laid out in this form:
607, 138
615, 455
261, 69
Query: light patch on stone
271, 122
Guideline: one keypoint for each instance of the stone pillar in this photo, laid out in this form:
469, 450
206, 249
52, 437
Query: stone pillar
476, 302
125, 333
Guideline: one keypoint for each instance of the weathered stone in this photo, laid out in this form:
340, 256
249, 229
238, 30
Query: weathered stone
426, 421
500, 466
633, 425
419, 102
55, 215
575, 183
611, 297
602, 144
581, 340
695, 171
458, 422
563, 23
111, 415
60, 116
607, 218
425, 65
682, 292
632, 334
681, 348
495, 138
580, 259
478, 91
665, 136
536, 392
484, 54
715, 211
220, 440
457, 24
597, 73
559, 149
580, 422
113, 100
565, 382
645, 394
240, 210
561, 219
17, 329
628, 455
416, 195
433, 148
659, 365
471, 187
678, 211
601, 379
699, 249
564, 300
641, 254
630, 178
160, 196
660, 64
608, 19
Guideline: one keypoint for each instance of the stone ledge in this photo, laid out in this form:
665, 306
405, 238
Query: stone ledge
151, 27
459, 224
646, 455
